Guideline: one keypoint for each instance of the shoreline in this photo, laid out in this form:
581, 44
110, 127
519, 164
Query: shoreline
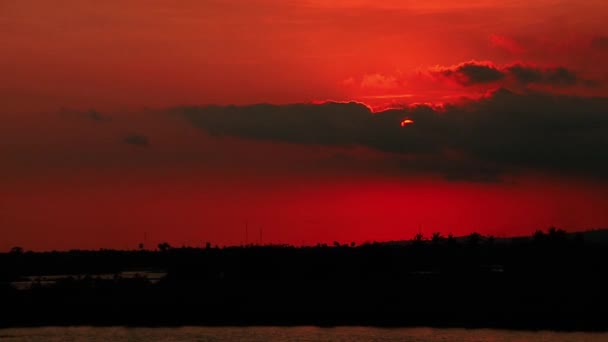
554, 284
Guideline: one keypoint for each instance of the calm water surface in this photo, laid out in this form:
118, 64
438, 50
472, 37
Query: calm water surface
269, 334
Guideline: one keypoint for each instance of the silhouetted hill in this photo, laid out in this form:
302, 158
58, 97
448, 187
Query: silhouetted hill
599, 236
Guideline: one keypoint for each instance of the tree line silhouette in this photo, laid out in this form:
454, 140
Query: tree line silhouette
552, 279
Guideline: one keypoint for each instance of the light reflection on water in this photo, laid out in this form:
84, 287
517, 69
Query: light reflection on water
301, 334
26, 282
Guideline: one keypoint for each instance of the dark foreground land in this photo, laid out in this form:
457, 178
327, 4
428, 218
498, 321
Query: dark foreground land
550, 281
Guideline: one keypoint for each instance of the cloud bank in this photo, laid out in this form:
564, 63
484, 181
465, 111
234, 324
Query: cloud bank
517, 74
478, 141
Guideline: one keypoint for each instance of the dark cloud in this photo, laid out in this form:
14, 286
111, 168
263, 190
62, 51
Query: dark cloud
138, 140
478, 141
473, 73
330, 123
552, 76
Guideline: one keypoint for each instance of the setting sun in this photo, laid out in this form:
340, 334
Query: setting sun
407, 122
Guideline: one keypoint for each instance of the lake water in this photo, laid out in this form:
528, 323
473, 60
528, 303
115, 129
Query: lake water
301, 334
26, 282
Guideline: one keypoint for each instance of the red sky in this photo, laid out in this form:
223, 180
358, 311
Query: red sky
69, 180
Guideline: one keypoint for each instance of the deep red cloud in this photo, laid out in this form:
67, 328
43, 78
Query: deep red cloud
516, 74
